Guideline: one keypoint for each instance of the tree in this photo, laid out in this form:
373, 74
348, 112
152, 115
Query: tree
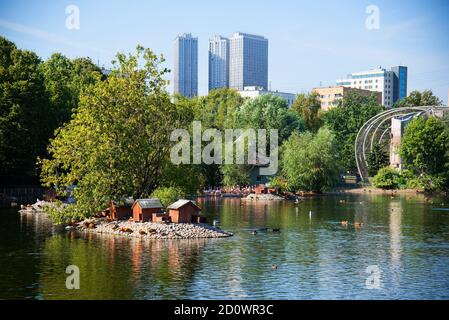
269, 112
118, 142
218, 108
424, 147
265, 112
24, 127
345, 121
65, 80
417, 99
377, 159
308, 107
310, 162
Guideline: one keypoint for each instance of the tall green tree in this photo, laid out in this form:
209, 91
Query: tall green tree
345, 121
425, 146
24, 127
118, 142
311, 162
308, 107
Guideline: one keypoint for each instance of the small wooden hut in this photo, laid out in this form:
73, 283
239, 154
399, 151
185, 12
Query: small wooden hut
143, 209
121, 211
184, 211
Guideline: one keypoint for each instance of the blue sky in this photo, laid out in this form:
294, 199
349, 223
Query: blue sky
310, 42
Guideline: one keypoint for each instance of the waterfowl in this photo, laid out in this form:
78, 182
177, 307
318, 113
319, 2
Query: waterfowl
344, 223
358, 224
276, 229
274, 266
254, 232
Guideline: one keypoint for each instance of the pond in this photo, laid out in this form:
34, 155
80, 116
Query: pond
403, 245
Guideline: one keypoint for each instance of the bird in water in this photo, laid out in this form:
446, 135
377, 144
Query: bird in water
254, 232
274, 267
344, 223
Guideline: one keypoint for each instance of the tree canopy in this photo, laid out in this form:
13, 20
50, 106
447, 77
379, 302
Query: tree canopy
310, 162
425, 146
308, 107
345, 121
117, 144
417, 99
24, 128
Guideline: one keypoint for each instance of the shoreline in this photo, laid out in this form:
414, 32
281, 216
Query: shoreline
149, 230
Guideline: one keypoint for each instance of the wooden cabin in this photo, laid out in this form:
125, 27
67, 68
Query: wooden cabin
184, 211
261, 189
143, 209
121, 211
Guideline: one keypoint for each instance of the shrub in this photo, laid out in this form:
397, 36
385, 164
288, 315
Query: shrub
168, 195
388, 178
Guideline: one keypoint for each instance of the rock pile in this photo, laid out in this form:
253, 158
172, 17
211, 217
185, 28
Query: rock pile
149, 230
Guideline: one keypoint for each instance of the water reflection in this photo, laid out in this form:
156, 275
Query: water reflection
317, 257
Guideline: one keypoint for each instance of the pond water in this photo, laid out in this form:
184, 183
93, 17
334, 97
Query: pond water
403, 240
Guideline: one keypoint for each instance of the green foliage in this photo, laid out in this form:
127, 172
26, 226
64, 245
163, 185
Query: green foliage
24, 126
279, 182
65, 79
235, 174
388, 178
310, 162
346, 120
308, 107
427, 182
218, 108
377, 159
117, 143
425, 146
417, 99
168, 195
269, 112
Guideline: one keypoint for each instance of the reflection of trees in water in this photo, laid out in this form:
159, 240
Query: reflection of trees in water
113, 267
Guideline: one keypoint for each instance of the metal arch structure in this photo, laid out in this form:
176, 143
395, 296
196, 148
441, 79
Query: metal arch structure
375, 131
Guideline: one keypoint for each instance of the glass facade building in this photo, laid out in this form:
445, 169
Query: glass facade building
400, 82
218, 63
248, 61
185, 69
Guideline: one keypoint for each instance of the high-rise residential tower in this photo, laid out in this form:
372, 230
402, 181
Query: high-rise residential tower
218, 62
392, 84
185, 69
248, 61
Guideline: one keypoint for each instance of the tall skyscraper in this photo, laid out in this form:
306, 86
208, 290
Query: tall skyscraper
218, 63
185, 65
392, 84
248, 61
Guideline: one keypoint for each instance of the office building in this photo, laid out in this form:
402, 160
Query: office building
248, 61
330, 96
218, 63
392, 84
185, 69
254, 92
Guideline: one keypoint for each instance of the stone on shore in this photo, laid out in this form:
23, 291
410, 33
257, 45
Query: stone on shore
150, 230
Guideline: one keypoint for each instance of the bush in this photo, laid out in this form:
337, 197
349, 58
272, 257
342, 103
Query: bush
388, 178
427, 182
168, 195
